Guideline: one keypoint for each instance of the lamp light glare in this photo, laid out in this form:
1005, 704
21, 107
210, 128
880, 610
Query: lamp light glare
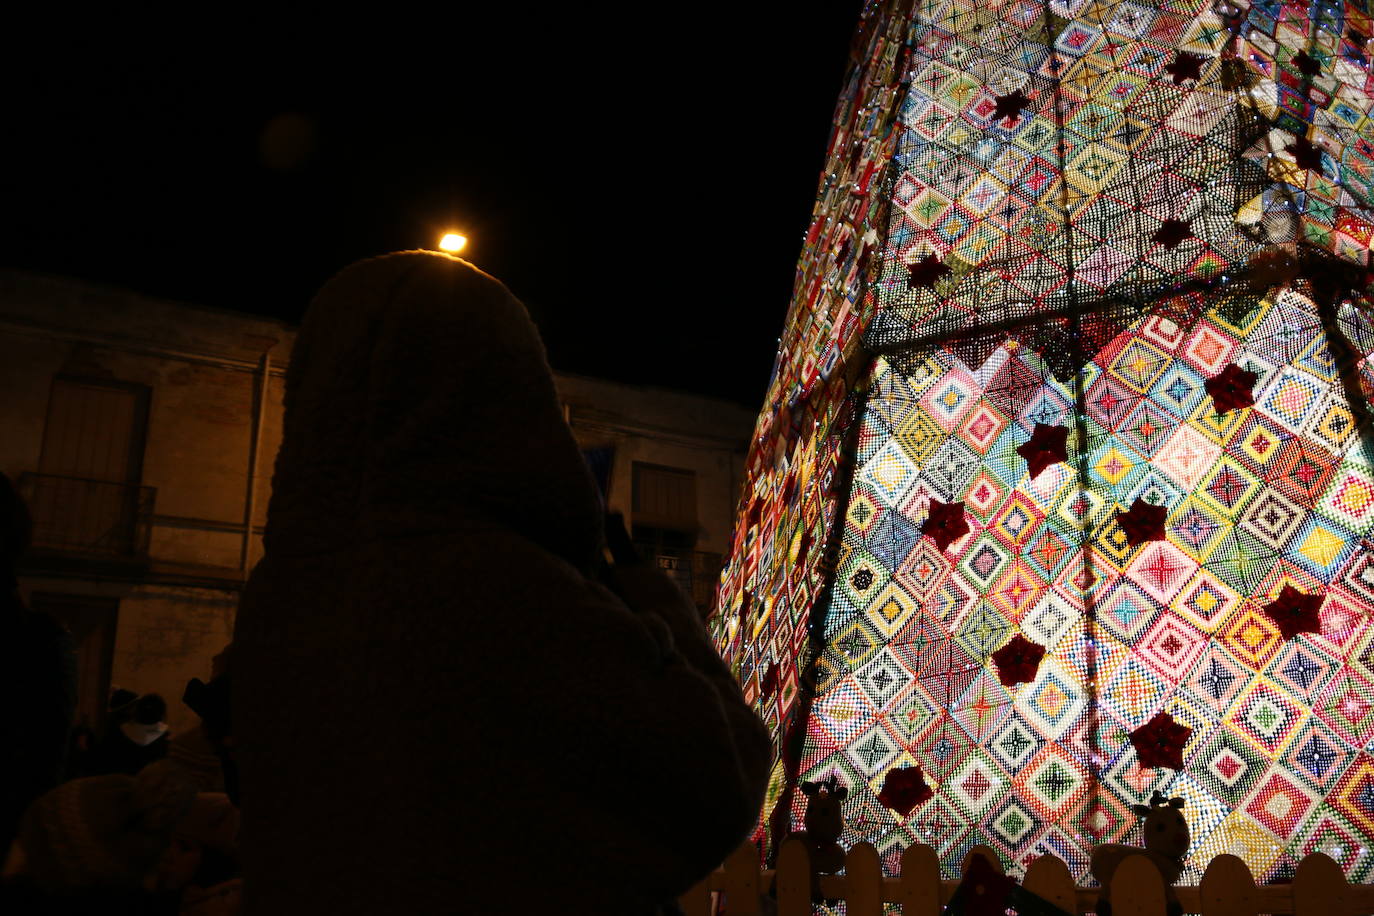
452, 242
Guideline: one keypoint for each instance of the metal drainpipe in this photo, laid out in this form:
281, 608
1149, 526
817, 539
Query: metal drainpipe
263, 377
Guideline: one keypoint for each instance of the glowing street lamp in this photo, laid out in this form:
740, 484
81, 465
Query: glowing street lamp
453, 243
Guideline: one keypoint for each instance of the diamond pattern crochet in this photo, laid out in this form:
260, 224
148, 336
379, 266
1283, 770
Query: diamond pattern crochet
1148, 226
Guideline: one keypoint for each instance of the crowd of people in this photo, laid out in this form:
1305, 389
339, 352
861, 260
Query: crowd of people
454, 686
121, 822
115, 823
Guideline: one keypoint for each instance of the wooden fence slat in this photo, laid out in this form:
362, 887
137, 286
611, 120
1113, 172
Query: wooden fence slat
1228, 889
793, 878
918, 890
742, 881
1137, 889
1049, 877
697, 901
864, 881
1319, 888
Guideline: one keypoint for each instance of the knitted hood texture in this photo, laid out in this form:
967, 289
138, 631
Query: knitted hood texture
419, 400
437, 707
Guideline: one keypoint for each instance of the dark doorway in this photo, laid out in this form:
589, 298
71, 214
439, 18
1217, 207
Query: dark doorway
91, 621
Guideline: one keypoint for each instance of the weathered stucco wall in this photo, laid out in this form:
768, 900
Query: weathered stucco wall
655, 426
165, 635
203, 369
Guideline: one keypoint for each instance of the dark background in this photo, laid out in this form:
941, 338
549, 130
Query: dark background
640, 175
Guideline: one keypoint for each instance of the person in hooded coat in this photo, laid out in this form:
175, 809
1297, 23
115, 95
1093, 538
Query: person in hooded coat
37, 677
438, 707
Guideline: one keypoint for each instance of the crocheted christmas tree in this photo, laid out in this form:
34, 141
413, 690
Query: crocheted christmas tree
1077, 353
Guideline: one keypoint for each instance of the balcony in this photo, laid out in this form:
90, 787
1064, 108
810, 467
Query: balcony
87, 523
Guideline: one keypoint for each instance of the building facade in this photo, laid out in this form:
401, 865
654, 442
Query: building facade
142, 434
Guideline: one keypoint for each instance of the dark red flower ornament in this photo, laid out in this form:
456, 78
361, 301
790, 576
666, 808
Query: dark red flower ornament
1171, 233
1295, 612
1142, 522
990, 889
1018, 661
1046, 446
1306, 154
1306, 64
1010, 106
1159, 742
945, 524
770, 681
1185, 67
1232, 388
927, 272
904, 789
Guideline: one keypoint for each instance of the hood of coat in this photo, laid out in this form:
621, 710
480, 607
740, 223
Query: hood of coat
419, 401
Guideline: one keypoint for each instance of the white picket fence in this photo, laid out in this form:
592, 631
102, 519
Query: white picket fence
1227, 889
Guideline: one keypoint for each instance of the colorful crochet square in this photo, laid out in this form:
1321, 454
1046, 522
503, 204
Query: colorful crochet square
1077, 352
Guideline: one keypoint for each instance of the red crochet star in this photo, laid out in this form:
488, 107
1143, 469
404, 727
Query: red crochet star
989, 888
1159, 742
1306, 153
1185, 67
904, 789
1018, 661
1306, 64
945, 524
1232, 388
770, 681
926, 272
744, 608
1295, 612
1010, 106
1046, 446
1171, 233
1142, 522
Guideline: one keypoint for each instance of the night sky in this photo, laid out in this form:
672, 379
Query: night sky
640, 175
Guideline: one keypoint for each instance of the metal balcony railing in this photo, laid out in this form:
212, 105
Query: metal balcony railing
96, 518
